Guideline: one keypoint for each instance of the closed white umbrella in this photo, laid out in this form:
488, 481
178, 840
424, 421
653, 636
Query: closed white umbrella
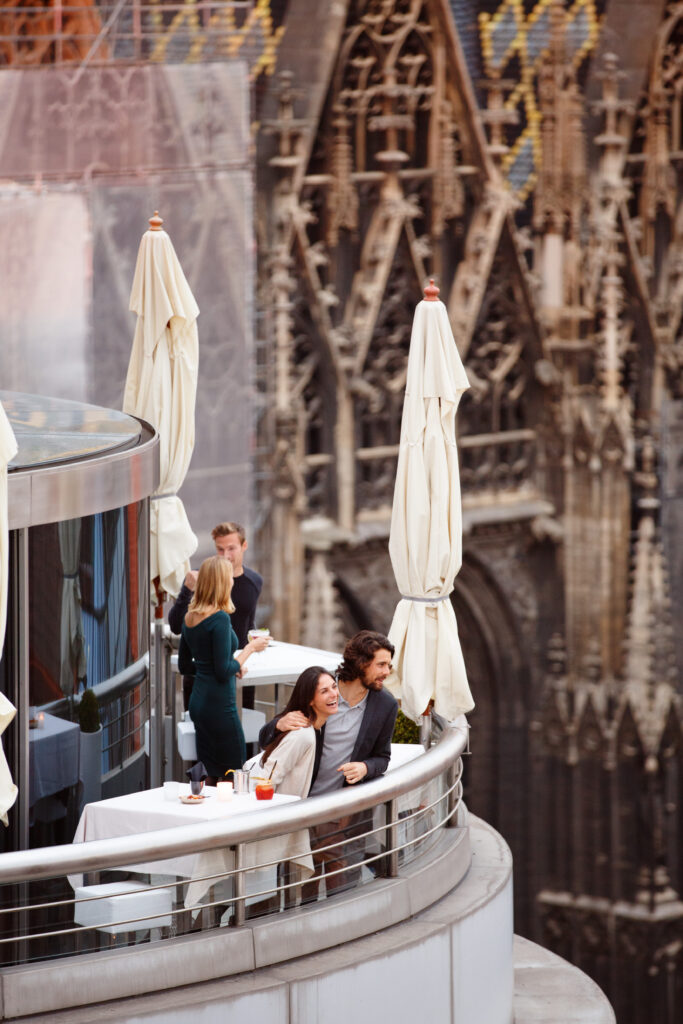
8, 449
161, 387
425, 543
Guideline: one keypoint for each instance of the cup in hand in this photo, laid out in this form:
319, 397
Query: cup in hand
259, 634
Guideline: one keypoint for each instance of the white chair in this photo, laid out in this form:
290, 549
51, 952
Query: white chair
252, 723
118, 905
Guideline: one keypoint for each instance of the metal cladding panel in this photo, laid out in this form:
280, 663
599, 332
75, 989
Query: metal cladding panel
86, 156
44, 269
80, 124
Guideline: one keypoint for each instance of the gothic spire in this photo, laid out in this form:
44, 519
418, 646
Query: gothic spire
649, 651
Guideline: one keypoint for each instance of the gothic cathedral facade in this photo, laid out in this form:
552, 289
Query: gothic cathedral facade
545, 199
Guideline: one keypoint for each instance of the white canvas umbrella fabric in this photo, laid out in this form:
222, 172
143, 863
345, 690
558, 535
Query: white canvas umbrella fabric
8, 449
8, 790
161, 387
425, 542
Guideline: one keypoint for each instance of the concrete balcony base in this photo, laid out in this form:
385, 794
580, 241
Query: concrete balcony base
548, 990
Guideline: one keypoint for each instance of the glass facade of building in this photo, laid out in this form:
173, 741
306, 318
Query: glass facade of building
78, 611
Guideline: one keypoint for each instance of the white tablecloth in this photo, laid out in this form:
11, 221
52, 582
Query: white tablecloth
402, 753
53, 757
410, 828
281, 663
148, 811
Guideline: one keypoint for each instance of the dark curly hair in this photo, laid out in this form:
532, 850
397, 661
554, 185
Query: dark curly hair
359, 652
300, 700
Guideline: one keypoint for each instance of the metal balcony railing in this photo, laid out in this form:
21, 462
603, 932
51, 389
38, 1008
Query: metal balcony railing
376, 832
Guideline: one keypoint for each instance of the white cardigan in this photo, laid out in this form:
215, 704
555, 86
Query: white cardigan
293, 759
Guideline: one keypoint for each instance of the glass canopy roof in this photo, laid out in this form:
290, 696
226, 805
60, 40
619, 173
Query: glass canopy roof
53, 430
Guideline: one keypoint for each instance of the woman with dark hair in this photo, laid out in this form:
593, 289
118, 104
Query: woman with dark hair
292, 756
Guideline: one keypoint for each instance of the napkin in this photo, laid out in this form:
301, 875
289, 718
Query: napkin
197, 773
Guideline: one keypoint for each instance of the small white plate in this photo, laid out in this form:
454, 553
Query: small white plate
190, 799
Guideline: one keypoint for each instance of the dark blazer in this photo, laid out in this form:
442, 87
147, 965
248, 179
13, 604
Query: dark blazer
373, 743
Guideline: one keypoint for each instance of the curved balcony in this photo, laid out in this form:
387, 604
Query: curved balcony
403, 847
422, 928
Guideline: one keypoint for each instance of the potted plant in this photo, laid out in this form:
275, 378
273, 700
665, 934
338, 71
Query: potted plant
405, 730
91, 747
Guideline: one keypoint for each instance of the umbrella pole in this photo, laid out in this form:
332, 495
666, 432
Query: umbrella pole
426, 726
157, 717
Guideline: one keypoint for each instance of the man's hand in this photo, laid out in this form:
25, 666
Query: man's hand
190, 580
354, 771
292, 720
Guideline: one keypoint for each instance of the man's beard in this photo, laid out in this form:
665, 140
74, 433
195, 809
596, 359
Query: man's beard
376, 684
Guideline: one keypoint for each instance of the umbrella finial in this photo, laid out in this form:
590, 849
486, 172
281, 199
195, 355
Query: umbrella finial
155, 222
431, 291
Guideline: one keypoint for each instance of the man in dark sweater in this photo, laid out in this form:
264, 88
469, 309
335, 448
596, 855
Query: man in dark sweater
231, 543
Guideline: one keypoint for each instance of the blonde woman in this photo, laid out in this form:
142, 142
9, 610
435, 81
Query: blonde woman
207, 652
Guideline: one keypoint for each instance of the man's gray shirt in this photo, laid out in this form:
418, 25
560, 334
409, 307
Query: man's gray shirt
341, 733
372, 744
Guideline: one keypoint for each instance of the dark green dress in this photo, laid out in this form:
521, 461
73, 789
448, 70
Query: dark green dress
206, 652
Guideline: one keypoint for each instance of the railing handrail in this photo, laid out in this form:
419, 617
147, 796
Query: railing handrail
163, 844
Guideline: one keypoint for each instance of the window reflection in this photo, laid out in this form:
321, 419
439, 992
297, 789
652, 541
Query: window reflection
88, 628
123, 721
88, 616
105, 597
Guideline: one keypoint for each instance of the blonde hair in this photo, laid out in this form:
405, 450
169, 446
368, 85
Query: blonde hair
225, 529
213, 588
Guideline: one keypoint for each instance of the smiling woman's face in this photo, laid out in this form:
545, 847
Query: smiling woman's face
326, 699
